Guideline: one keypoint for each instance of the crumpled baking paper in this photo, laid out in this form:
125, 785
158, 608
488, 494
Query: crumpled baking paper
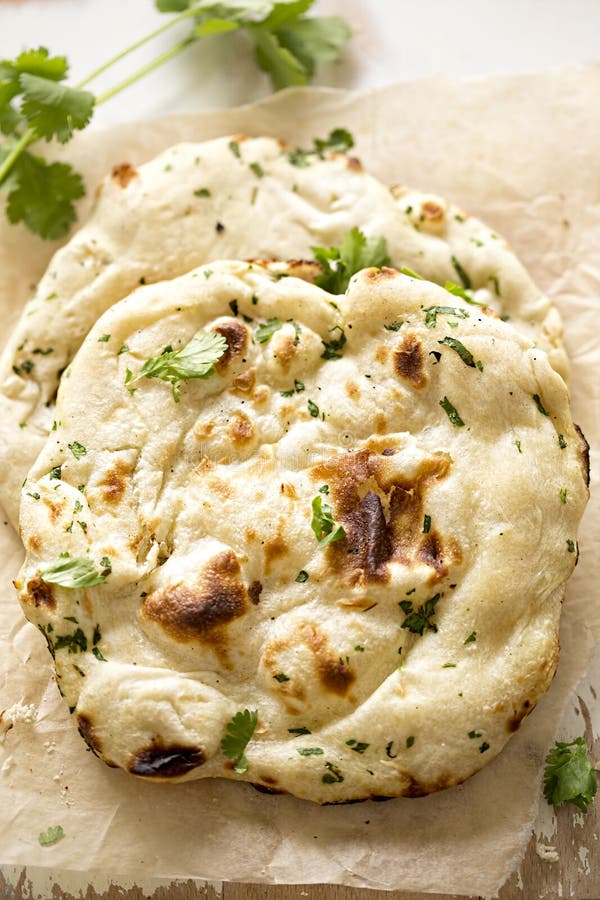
521, 153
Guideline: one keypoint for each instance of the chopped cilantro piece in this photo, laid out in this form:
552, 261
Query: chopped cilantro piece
51, 836
325, 528
432, 312
333, 346
451, 412
357, 746
77, 449
418, 620
238, 733
333, 775
569, 776
459, 347
466, 281
266, 331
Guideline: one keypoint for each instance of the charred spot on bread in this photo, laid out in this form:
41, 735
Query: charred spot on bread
165, 761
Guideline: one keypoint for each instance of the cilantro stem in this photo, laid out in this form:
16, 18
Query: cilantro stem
149, 67
26, 138
135, 46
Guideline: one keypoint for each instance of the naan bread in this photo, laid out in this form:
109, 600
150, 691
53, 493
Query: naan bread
395, 660
233, 197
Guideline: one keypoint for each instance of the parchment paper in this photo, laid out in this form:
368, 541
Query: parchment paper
523, 154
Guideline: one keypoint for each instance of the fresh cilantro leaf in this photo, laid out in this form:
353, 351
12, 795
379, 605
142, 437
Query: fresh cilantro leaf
55, 110
465, 293
266, 331
356, 252
168, 6
272, 57
238, 733
411, 273
43, 196
215, 26
339, 140
9, 120
432, 312
314, 40
51, 836
324, 526
73, 572
417, 620
569, 776
195, 360
282, 12
39, 62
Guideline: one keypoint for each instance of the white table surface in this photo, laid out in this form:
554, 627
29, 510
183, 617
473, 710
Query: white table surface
392, 41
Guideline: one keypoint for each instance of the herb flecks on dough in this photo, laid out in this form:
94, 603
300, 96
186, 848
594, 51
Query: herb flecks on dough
569, 776
355, 252
432, 312
196, 359
266, 331
333, 774
451, 412
74, 572
339, 141
333, 346
324, 526
466, 355
238, 733
418, 620
464, 293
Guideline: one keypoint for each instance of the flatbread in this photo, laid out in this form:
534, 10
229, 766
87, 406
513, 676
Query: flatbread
395, 660
234, 197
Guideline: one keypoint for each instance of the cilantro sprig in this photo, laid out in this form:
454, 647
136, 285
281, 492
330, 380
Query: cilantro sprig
37, 104
569, 775
196, 359
356, 252
239, 731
